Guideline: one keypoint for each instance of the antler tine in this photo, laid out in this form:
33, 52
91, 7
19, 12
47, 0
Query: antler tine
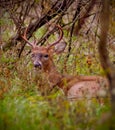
25, 38
61, 36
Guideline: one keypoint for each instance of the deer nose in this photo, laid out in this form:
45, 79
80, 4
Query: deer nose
37, 65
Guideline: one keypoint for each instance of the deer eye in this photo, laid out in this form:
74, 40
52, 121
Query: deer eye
46, 56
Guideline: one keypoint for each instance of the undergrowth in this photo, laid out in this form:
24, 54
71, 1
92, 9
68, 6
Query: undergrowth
24, 107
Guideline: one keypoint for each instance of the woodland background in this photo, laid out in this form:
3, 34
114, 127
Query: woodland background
89, 31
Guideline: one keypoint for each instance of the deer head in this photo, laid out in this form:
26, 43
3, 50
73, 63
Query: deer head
42, 56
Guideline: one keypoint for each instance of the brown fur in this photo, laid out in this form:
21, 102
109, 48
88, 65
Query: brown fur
73, 86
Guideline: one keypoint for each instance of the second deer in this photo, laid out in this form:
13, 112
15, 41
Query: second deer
72, 86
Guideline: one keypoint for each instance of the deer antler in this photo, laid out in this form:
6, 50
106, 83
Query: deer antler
32, 44
61, 35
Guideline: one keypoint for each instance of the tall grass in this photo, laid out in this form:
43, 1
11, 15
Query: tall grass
24, 107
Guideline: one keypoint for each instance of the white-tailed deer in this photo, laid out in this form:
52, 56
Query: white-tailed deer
73, 86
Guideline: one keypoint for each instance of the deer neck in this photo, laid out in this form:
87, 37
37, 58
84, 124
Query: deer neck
52, 74
55, 78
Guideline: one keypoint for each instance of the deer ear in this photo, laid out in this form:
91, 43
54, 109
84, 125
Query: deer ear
60, 47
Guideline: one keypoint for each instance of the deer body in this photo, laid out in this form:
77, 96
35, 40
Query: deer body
73, 86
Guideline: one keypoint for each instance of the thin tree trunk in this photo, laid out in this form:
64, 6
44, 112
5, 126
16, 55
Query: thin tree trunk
104, 57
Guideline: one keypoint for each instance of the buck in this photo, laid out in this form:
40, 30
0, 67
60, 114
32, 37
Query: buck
72, 86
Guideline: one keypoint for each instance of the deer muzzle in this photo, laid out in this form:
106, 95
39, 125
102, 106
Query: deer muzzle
37, 64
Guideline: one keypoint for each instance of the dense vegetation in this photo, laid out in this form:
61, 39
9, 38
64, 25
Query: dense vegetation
24, 101
22, 105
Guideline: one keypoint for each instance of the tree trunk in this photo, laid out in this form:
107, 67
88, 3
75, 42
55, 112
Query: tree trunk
104, 57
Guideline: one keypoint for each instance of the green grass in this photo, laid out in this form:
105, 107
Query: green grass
35, 112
